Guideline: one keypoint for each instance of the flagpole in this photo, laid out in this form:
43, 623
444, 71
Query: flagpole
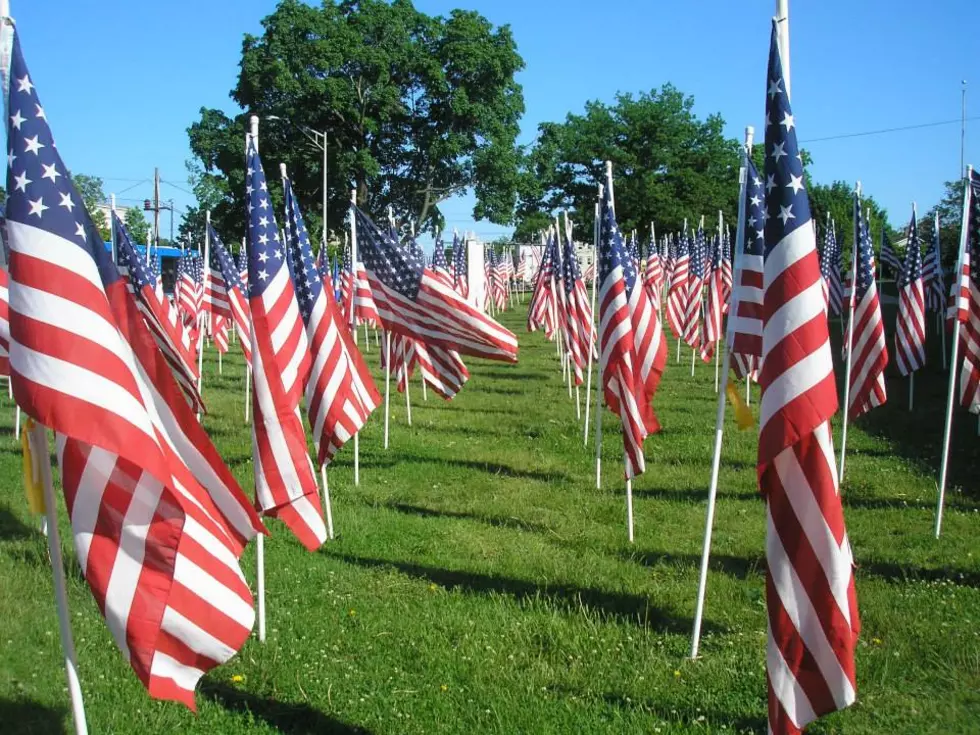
722, 400
598, 377
38, 439
248, 366
206, 270
944, 467
326, 501
260, 539
850, 337
353, 324
408, 397
721, 265
939, 274
387, 383
578, 398
592, 322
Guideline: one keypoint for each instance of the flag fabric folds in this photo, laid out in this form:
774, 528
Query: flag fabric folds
632, 345
692, 332
578, 314
932, 273
219, 331
745, 324
677, 291
158, 520
870, 353
810, 597
833, 287
285, 484
235, 294
714, 308
968, 311
161, 317
415, 303
340, 392
910, 326
887, 254
4, 323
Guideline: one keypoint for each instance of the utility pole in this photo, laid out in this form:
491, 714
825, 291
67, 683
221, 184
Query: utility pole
962, 132
156, 207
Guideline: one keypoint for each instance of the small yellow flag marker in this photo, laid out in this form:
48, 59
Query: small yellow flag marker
743, 414
33, 487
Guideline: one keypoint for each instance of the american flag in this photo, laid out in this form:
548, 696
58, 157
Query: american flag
745, 325
365, 309
285, 485
501, 276
813, 619
186, 287
870, 352
932, 273
235, 295
887, 255
716, 301
158, 520
162, 319
4, 323
578, 313
910, 326
653, 277
692, 327
727, 276
460, 265
414, 302
215, 290
833, 287
347, 290
677, 291
440, 268
968, 303
541, 310
633, 349
242, 265
340, 392
219, 332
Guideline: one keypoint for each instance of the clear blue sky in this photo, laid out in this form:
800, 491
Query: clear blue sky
122, 80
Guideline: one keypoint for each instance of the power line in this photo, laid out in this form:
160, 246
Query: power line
888, 130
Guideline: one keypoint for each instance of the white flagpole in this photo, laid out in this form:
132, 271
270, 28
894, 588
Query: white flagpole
260, 539
954, 358
248, 366
387, 383
353, 324
326, 501
850, 339
367, 338
939, 315
598, 375
911, 374
722, 400
39, 449
408, 394
206, 269
721, 234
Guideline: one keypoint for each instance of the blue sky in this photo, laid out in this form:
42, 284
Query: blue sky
122, 80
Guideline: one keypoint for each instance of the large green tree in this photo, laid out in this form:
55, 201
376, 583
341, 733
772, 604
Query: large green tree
136, 225
668, 164
833, 205
416, 109
950, 210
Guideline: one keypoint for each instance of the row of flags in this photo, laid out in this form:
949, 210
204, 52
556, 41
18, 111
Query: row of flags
101, 356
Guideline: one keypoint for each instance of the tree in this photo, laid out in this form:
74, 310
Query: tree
950, 209
136, 225
416, 109
836, 201
90, 189
668, 165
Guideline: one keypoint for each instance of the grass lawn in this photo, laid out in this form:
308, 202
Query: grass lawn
480, 582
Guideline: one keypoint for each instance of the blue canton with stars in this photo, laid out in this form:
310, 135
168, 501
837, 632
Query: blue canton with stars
459, 256
912, 269
828, 255
865, 254
613, 252
221, 260
439, 255
306, 277
570, 268
755, 212
787, 204
698, 253
716, 254
140, 272
398, 268
973, 228
39, 191
266, 255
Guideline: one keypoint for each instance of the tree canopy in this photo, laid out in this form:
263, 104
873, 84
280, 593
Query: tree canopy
668, 164
136, 225
416, 109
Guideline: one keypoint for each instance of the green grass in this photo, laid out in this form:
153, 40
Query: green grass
480, 582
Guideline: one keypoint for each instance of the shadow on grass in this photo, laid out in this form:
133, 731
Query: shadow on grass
12, 527
634, 609
27, 717
286, 717
744, 567
496, 521
734, 566
690, 495
692, 717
